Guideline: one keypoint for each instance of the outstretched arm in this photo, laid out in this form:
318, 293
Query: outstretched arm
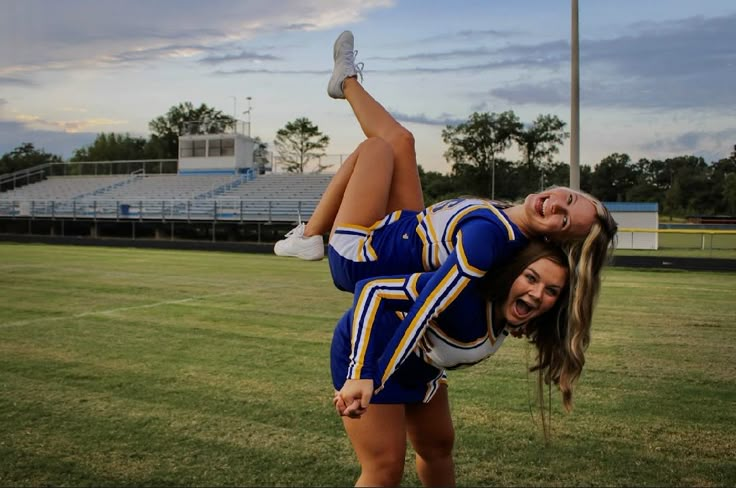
371, 328
479, 245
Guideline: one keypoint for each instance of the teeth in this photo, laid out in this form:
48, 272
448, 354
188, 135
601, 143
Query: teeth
539, 207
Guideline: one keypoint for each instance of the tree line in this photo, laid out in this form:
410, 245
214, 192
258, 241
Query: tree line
476, 149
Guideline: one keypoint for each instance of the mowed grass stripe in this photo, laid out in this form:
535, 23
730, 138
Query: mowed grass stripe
144, 443
149, 367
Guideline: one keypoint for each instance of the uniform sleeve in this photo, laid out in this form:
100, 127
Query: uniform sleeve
479, 245
375, 304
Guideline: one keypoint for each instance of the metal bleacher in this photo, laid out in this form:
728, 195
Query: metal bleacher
265, 198
62, 188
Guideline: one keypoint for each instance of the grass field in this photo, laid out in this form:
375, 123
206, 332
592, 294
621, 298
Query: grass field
130, 367
688, 245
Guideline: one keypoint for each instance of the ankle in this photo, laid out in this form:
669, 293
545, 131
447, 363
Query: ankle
349, 83
309, 231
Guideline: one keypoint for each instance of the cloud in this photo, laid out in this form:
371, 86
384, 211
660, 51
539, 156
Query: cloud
13, 134
37, 35
437, 56
468, 35
163, 52
441, 120
70, 126
56, 136
685, 63
711, 145
544, 55
10, 81
551, 93
242, 56
265, 71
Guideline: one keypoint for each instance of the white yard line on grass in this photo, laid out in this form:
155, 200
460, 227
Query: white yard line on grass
115, 310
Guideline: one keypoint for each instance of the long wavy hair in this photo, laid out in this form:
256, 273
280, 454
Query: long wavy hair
586, 259
562, 335
549, 331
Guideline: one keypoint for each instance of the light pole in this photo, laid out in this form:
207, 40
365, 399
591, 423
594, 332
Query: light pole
235, 105
574, 99
248, 112
235, 113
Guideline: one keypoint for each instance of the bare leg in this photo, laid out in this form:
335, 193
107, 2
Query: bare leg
324, 215
406, 189
432, 435
359, 191
402, 190
379, 441
367, 191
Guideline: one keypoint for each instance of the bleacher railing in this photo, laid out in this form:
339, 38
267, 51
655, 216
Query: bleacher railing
37, 173
229, 209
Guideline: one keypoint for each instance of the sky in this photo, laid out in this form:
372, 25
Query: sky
657, 78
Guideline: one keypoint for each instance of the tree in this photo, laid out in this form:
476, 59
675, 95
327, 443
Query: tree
183, 119
729, 193
112, 147
260, 156
25, 156
540, 141
558, 174
478, 141
672, 199
721, 172
692, 175
613, 177
300, 142
436, 186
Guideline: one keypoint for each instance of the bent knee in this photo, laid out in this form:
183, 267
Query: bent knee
401, 140
377, 147
437, 448
383, 471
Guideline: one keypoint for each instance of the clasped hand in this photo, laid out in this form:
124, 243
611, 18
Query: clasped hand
353, 398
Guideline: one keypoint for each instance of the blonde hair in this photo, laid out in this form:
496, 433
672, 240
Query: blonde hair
562, 335
586, 259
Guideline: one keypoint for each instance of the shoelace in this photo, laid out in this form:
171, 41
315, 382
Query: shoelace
358, 67
350, 58
298, 230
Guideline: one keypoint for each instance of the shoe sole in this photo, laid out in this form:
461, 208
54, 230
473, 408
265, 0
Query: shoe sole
334, 59
337, 41
304, 256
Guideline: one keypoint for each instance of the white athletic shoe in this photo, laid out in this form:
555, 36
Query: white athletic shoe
345, 67
295, 244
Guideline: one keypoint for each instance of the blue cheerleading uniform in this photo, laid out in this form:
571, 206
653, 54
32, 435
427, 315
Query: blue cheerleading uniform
380, 339
472, 233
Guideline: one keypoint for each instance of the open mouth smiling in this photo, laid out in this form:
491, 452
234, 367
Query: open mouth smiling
522, 308
541, 206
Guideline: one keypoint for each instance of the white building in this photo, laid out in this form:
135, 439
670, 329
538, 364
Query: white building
221, 153
634, 220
